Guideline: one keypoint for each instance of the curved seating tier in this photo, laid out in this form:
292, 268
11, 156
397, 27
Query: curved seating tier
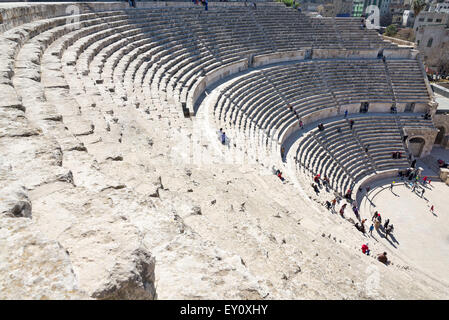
256, 103
146, 57
407, 81
338, 151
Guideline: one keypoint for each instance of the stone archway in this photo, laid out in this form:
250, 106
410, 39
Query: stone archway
416, 146
440, 136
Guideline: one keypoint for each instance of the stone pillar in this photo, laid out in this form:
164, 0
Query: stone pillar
427, 134
433, 105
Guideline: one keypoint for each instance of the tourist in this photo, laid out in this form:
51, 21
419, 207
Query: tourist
361, 228
391, 186
223, 138
374, 216
366, 148
282, 153
431, 209
413, 163
386, 223
377, 225
328, 205
368, 188
342, 209
382, 258
316, 179
346, 114
351, 123
365, 249
338, 130
315, 187
422, 192
424, 180
301, 124
371, 228
348, 194
333, 203
388, 231
379, 218
321, 127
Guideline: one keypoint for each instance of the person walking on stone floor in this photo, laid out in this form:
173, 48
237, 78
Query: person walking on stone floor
431, 209
328, 205
346, 114
388, 231
301, 124
334, 201
371, 228
377, 225
374, 216
422, 192
386, 224
391, 186
223, 138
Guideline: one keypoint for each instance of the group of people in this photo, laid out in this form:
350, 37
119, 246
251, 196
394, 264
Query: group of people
382, 257
397, 155
301, 124
202, 2
318, 181
377, 221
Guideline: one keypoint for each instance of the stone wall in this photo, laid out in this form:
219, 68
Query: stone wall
444, 175
427, 134
442, 120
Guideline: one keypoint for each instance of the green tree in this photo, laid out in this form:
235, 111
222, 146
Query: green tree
391, 30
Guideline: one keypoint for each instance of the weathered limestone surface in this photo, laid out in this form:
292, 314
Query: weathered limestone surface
112, 194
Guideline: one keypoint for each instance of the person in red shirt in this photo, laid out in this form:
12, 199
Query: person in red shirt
365, 249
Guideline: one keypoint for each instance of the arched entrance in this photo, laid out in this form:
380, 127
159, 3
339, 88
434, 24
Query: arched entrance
416, 146
440, 135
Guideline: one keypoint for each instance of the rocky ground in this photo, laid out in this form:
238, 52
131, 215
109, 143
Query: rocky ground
130, 212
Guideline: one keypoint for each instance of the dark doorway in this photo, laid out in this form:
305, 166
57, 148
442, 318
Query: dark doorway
364, 107
416, 146
440, 135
